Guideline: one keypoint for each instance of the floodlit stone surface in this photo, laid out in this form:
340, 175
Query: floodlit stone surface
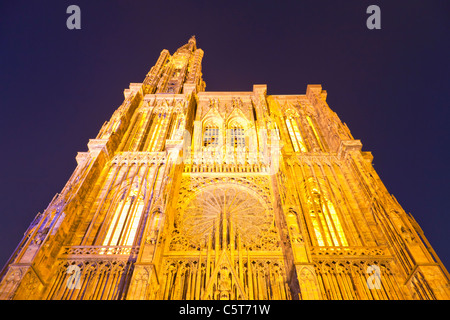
190, 194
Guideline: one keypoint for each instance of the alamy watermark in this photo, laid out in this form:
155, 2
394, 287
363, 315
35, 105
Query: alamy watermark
74, 20
374, 20
374, 279
73, 281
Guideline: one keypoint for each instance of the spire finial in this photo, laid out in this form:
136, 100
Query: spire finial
192, 43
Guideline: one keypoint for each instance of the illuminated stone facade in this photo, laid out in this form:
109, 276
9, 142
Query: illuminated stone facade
189, 194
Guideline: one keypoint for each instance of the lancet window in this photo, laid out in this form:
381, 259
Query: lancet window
277, 131
325, 220
211, 136
125, 219
296, 137
316, 135
178, 127
160, 123
237, 136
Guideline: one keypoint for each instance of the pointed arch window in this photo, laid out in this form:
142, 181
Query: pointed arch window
159, 125
211, 136
124, 224
277, 131
325, 221
316, 135
237, 136
178, 126
296, 137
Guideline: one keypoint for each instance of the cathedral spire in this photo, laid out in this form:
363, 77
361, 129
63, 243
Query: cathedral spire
192, 43
171, 73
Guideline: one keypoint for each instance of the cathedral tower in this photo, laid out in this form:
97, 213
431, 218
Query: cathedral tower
190, 194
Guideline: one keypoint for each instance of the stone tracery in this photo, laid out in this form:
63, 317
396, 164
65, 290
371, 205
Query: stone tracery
228, 210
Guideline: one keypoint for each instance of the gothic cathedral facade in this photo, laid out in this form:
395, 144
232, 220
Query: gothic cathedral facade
190, 194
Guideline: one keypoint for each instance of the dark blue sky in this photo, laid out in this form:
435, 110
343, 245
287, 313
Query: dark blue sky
391, 86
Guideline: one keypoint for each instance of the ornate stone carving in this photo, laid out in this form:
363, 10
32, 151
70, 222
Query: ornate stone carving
232, 210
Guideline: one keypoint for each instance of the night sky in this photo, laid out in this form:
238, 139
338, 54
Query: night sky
391, 86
